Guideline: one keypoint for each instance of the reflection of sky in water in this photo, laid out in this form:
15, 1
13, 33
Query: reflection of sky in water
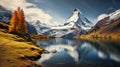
75, 52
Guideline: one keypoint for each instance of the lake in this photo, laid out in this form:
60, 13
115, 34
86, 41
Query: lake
80, 53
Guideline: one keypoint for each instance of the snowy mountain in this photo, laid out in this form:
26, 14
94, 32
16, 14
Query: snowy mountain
115, 15
31, 28
77, 20
112, 16
75, 25
109, 24
109, 19
41, 28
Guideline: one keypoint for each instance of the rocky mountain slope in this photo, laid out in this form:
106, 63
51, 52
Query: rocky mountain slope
108, 27
5, 14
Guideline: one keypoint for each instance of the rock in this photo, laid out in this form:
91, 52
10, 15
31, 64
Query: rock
31, 57
47, 52
54, 51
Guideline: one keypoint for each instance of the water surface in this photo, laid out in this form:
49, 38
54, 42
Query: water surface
80, 53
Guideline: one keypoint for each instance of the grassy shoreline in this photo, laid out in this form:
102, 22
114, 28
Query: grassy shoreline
105, 36
15, 51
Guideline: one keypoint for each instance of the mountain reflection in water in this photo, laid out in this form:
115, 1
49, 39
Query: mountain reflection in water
80, 53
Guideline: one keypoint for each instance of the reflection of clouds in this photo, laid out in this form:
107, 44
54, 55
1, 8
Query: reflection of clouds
59, 47
44, 57
115, 57
79, 51
108, 53
74, 55
85, 45
85, 50
68, 48
102, 55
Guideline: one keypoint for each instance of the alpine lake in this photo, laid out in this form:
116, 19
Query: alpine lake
63, 52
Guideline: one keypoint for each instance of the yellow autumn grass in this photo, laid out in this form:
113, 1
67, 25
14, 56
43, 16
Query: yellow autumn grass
112, 36
13, 47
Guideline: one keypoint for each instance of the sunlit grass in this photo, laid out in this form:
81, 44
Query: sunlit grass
13, 47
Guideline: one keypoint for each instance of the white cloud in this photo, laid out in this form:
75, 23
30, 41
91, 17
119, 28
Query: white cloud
102, 16
32, 14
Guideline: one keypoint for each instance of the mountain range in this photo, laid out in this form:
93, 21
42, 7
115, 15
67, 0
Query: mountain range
76, 25
107, 27
108, 24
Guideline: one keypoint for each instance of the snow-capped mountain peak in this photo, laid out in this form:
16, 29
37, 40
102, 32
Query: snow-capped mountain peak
76, 23
79, 20
75, 16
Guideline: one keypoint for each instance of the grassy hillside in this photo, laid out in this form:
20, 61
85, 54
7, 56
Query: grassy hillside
15, 51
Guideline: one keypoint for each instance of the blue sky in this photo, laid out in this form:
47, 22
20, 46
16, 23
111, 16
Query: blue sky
62, 9
58, 11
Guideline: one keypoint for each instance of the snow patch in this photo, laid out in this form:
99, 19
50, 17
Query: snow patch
102, 16
115, 15
112, 16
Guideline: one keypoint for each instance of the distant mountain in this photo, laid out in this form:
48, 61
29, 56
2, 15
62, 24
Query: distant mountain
108, 24
107, 27
75, 25
109, 19
5, 14
31, 29
80, 21
41, 28
114, 26
100, 24
114, 16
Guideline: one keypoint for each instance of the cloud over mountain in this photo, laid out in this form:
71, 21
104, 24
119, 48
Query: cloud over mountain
32, 12
102, 16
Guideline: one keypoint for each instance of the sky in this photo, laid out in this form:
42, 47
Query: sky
58, 11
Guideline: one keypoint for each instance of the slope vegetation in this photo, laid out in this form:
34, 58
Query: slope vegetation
16, 51
111, 30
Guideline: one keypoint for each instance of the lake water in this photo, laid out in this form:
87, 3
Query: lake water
80, 53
